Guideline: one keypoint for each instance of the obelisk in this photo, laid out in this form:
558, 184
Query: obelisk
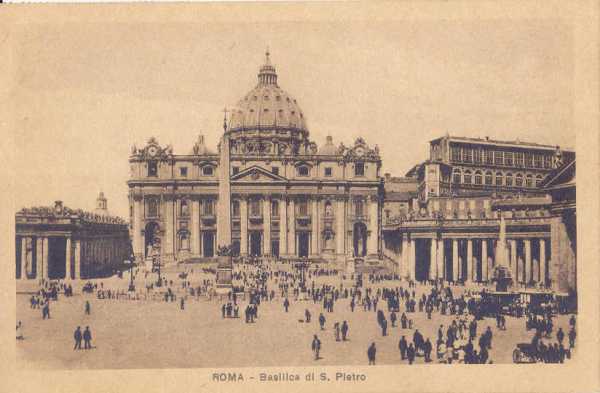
224, 203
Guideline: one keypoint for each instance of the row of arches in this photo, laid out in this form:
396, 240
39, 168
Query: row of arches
490, 178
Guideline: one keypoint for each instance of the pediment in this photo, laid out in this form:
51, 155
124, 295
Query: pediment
256, 174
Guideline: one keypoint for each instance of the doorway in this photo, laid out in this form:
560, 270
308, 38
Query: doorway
303, 244
57, 247
360, 239
208, 247
255, 243
150, 237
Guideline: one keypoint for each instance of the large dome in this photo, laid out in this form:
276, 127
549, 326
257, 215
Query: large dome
267, 106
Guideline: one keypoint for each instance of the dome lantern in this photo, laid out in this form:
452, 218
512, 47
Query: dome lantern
267, 74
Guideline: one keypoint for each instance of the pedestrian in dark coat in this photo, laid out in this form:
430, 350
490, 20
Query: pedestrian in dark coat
402, 346
87, 338
344, 330
560, 335
316, 346
286, 304
572, 336
371, 352
87, 307
77, 336
322, 321
410, 353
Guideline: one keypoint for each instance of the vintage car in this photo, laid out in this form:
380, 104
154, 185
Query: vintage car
525, 353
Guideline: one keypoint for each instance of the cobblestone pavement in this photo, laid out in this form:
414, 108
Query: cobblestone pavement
156, 334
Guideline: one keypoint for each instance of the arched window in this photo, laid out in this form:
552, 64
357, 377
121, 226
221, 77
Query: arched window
519, 180
456, 177
499, 178
509, 179
529, 181
488, 178
538, 180
467, 177
303, 170
478, 178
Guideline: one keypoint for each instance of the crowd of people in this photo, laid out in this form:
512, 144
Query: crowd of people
396, 304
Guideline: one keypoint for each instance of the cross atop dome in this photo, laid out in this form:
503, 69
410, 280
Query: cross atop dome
267, 74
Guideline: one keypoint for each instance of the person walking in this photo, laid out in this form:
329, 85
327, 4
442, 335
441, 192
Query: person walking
307, 316
87, 338
286, 304
322, 321
88, 307
77, 336
403, 346
410, 353
182, 303
560, 335
371, 352
572, 336
344, 330
316, 346
336, 326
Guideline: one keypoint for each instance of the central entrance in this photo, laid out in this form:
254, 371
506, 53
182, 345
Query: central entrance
303, 243
208, 244
360, 239
255, 243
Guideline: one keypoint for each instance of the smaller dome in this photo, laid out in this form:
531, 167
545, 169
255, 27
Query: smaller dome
328, 149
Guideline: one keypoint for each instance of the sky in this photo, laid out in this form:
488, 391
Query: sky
85, 93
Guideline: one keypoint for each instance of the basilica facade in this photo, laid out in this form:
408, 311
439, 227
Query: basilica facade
267, 189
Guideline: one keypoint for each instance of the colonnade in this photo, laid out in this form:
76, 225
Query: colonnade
456, 259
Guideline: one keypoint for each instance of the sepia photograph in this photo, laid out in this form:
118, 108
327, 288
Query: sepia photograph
325, 193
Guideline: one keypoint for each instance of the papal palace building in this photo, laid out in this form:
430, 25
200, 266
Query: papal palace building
268, 190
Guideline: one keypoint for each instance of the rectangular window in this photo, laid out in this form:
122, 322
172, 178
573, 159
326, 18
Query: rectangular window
235, 208
508, 158
489, 156
359, 208
498, 157
275, 209
207, 170
547, 161
303, 208
528, 160
275, 170
183, 171
519, 159
477, 156
255, 208
537, 160
467, 154
455, 154
208, 207
359, 169
328, 172
236, 170
152, 169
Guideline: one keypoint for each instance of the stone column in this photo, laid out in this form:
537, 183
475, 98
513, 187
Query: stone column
454, 260
433, 271
340, 233
484, 261
292, 228
138, 242
412, 256
68, 259
168, 251
543, 261
440, 259
77, 260
513, 260
45, 258
267, 226
39, 257
404, 255
314, 236
373, 227
470, 269
23, 269
195, 230
283, 227
528, 267
243, 226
